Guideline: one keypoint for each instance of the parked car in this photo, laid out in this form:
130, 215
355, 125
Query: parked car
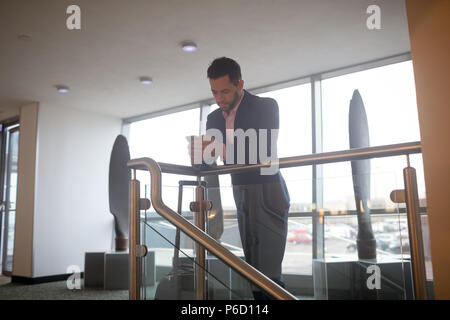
351, 247
384, 240
400, 246
340, 231
299, 236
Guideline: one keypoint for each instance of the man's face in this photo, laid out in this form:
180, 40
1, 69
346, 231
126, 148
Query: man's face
226, 93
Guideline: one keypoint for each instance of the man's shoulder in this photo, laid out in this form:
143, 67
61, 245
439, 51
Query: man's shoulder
265, 112
262, 102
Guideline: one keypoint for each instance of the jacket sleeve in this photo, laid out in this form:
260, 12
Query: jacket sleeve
270, 115
270, 121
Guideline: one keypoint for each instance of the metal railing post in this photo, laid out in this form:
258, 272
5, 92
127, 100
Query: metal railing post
200, 257
415, 233
134, 236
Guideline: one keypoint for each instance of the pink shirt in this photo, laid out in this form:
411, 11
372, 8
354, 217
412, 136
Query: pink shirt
229, 121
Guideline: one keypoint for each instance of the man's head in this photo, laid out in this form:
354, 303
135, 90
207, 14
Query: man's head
226, 82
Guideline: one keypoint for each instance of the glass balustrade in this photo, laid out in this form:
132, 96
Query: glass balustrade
163, 281
316, 265
340, 273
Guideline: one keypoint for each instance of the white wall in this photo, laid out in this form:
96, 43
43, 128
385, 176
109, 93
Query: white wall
71, 196
9, 112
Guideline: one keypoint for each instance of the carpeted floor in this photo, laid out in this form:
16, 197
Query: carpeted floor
4, 280
55, 291
58, 291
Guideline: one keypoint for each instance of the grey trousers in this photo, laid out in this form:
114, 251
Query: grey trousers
262, 214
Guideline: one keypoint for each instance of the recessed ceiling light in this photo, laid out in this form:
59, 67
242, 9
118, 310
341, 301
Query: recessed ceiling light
24, 37
146, 80
188, 46
62, 89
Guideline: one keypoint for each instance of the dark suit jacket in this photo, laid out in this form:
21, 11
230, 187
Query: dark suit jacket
253, 112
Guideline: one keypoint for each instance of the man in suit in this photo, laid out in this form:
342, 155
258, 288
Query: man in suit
262, 198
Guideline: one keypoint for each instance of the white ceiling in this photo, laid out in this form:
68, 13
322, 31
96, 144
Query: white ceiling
120, 41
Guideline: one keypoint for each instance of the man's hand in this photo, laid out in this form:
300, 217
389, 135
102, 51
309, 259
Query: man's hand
196, 149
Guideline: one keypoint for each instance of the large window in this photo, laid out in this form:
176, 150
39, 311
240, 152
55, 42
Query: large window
388, 94
163, 139
389, 98
294, 139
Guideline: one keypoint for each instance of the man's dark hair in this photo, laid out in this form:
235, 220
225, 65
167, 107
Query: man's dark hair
225, 66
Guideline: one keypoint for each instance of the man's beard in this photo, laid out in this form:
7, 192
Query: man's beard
233, 103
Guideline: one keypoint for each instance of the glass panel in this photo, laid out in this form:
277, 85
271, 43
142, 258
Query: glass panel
295, 119
230, 237
12, 169
222, 281
426, 247
9, 253
392, 117
342, 274
389, 98
298, 254
169, 192
160, 239
401, 248
163, 138
298, 251
10, 191
162, 283
159, 235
